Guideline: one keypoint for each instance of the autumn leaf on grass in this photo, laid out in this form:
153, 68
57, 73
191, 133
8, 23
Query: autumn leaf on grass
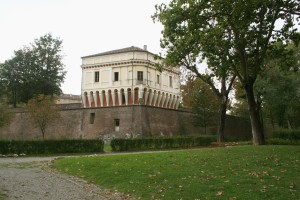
264, 189
161, 190
266, 173
180, 187
219, 193
256, 174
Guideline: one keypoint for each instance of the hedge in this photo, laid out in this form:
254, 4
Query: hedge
287, 134
279, 141
30, 147
120, 144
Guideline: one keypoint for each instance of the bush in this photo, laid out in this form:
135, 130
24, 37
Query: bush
287, 134
120, 144
280, 141
30, 147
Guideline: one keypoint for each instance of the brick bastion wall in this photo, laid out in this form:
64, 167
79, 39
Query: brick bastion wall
135, 120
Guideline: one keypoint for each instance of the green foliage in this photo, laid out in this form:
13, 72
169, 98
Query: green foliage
43, 111
197, 95
241, 172
280, 141
35, 69
2, 196
232, 36
279, 87
160, 143
36, 147
205, 105
284, 137
240, 108
287, 134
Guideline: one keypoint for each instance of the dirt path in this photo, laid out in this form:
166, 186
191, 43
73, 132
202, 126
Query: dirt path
30, 178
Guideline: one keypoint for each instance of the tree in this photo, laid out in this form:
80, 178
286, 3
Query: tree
203, 101
35, 69
279, 86
240, 107
186, 46
43, 111
233, 36
282, 98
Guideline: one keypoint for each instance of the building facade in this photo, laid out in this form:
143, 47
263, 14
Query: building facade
128, 76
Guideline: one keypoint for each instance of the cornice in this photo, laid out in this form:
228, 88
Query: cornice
125, 63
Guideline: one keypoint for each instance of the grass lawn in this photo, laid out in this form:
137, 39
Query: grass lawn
242, 172
1, 196
107, 148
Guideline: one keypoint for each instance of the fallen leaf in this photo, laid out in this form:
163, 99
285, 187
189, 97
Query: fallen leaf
219, 193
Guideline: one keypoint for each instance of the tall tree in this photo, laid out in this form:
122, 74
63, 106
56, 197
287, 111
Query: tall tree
188, 47
43, 111
35, 69
232, 35
279, 85
203, 101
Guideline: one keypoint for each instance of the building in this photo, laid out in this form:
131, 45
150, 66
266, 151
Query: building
128, 76
122, 95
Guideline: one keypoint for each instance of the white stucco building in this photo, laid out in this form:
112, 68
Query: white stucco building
128, 77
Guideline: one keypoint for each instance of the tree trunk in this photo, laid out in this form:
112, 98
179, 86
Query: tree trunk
288, 123
43, 133
221, 120
14, 99
256, 122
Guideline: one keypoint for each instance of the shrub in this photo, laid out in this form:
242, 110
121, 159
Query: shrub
280, 141
287, 134
120, 144
50, 146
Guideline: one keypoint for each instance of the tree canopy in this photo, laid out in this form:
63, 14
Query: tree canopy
232, 35
34, 69
197, 95
279, 86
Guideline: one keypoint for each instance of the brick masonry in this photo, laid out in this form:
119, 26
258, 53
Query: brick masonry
136, 120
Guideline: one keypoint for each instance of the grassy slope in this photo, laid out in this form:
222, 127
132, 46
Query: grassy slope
246, 172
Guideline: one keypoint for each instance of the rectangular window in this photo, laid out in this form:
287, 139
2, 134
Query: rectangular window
92, 118
140, 76
117, 125
116, 77
97, 76
157, 78
170, 81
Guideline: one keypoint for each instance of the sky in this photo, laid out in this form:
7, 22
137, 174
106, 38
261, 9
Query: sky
85, 26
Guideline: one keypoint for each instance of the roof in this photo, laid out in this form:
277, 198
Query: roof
124, 50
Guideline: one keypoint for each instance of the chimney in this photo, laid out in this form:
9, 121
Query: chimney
145, 47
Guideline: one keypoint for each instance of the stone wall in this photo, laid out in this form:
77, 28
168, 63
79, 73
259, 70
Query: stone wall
77, 122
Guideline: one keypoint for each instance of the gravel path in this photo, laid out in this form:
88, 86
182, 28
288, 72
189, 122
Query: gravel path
31, 178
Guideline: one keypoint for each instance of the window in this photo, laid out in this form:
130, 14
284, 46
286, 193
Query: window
140, 76
96, 76
117, 125
116, 77
170, 81
92, 118
157, 78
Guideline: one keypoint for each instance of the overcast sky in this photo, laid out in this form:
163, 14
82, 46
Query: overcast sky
85, 26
